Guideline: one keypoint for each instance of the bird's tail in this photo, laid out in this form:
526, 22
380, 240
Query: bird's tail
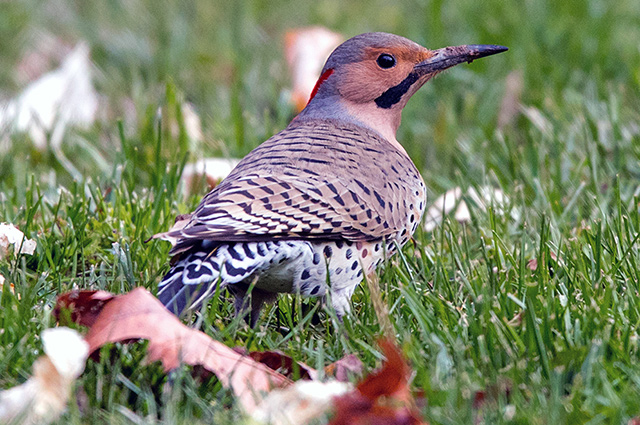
191, 280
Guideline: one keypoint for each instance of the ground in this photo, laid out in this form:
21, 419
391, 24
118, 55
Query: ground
525, 313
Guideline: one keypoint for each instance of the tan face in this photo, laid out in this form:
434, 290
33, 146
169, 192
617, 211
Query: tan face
379, 70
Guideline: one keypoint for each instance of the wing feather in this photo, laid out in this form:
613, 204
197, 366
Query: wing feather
334, 188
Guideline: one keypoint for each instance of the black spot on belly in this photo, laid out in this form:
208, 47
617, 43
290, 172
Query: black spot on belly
338, 270
327, 251
349, 253
354, 265
315, 290
316, 258
305, 275
339, 244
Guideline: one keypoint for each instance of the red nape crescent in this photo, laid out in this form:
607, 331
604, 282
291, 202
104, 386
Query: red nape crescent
321, 80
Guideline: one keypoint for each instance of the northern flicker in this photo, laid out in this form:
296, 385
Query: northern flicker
321, 203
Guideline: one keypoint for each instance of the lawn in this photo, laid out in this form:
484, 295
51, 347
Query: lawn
527, 312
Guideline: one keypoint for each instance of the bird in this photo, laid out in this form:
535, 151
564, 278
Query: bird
317, 207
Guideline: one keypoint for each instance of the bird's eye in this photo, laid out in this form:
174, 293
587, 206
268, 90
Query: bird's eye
386, 61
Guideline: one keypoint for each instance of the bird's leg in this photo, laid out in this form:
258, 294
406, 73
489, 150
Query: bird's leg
241, 302
250, 309
258, 299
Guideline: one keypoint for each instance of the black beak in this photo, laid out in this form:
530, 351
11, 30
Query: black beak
451, 56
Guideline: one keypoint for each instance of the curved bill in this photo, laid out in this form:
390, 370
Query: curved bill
451, 56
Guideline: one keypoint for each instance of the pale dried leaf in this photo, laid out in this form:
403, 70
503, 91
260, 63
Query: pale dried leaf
59, 99
213, 170
483, 198
10, 235
300, 403
306, 50
67, 350
445, 203
191, 119
44, 396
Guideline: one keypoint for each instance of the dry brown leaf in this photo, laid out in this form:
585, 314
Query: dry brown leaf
83, 306
340, 370
139, 315
284, 364
384, 397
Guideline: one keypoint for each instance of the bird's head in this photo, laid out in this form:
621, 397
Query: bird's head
370, 77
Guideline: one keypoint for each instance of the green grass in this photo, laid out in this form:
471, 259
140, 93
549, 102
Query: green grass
558, 344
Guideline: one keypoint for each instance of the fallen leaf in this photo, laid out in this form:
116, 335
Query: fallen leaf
384, 397
345, 368
300, 403
44, 396
192, 125
442, 206
392, 380
284, 364
306, 50
11, 235
340, 370
214, 170
483, 198
83, 306
139, 315
57, 100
